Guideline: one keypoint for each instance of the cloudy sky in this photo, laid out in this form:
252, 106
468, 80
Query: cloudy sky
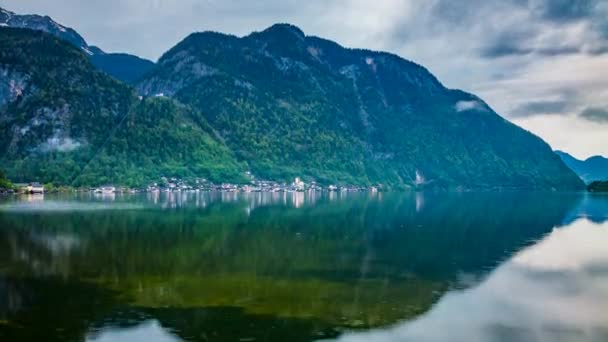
541, 63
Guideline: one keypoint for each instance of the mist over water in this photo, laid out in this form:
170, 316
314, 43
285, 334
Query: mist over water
304, 267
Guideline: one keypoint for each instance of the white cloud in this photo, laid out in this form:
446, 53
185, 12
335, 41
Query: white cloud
462, 106
59, 144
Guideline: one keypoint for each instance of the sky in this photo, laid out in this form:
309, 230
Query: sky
543, 64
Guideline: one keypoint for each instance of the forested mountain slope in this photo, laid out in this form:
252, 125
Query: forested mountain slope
290, 104
65, 122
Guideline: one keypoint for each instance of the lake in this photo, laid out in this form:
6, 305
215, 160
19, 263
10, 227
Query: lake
303, 267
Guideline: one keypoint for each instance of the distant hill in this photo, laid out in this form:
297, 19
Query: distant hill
592, 169
598, 186
124, 67
295, 105
63, 121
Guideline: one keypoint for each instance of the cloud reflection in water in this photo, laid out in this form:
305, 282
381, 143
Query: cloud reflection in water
556, 290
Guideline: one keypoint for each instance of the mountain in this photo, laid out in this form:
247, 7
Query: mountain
124, 67
295, 105
63, 121
592, 169
276, 102
46, 24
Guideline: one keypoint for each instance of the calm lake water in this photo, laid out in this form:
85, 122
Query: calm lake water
295, 267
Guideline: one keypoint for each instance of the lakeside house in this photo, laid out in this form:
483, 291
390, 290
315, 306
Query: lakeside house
106, 189
298, 185
34, 188
30, 188
175, 184
227, 187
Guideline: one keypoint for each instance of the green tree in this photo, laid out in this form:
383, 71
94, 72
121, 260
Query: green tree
5, 183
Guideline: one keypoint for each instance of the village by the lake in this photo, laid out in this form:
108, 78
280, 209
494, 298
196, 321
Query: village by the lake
173, 184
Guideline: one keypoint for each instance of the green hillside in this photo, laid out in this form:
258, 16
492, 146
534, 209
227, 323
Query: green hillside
67, 123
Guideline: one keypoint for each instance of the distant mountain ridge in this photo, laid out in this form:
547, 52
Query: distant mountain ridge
592, 169
46, 24
125, 67
277, 103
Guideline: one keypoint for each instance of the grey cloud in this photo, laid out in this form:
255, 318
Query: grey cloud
564, 10
552, 10
600, 19
511, 44
472, 10
508, 42
456, 12
556, 51
513, 49
542, 107
521, 41
593, 12
595, 114
503, 49
497, 36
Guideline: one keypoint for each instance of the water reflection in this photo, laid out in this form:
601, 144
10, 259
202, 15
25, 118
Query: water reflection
556, 290
593, 207
283, 266
148, 331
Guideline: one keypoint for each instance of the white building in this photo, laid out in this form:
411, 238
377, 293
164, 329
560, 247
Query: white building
298, 184
34, 188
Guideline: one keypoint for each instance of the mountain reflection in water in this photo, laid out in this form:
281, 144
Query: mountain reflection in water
300, 267
556, 290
